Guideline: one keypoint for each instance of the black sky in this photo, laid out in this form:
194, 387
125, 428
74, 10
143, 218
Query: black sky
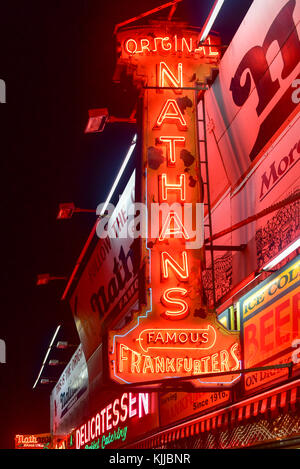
57, 59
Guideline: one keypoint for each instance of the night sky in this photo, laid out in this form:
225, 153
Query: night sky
57, 59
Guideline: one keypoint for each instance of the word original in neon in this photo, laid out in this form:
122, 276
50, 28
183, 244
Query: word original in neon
187, 46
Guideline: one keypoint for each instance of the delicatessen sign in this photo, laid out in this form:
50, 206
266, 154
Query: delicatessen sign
122, 420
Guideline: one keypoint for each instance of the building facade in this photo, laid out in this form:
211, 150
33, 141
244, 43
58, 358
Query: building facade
247, 122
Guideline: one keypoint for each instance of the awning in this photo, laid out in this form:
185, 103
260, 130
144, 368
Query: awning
269, 403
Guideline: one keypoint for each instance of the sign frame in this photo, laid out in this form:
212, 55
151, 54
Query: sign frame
153, 70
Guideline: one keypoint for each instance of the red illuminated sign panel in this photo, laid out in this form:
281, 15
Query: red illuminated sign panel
270, 324
40, 441
175, 406
175, 335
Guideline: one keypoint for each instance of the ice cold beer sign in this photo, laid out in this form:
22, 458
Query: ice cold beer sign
174, 334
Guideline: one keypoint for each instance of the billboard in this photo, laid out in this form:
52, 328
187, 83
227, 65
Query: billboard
108, 284
253, 125
254, 96
174, 334
272, 180
69, 398
270, 319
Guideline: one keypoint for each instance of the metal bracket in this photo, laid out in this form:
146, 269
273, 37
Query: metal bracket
200, 87
240, 247
185, 383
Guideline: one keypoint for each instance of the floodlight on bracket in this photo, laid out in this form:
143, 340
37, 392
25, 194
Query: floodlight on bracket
63, 345
66, 211
44, 279
98, 118
47, 381
55, 362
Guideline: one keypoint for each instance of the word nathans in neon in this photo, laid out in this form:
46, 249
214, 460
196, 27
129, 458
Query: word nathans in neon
172, 114
110, 417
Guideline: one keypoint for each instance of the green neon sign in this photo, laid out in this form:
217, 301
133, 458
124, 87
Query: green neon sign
119, 434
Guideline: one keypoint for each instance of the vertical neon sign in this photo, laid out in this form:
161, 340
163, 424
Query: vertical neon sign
174, 334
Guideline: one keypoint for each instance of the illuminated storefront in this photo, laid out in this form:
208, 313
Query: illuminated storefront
159, 306
119, 422
264, 409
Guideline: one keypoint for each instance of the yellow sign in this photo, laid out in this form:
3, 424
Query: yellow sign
271, 324
271, 290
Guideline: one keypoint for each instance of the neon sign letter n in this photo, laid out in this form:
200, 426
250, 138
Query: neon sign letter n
166, 74
181, 271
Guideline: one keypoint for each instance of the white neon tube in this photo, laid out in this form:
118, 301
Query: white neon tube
292, 247
121, 170
211, 19
46, 356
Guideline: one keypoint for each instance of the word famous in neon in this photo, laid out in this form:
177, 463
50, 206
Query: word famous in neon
196, 339
117, 412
